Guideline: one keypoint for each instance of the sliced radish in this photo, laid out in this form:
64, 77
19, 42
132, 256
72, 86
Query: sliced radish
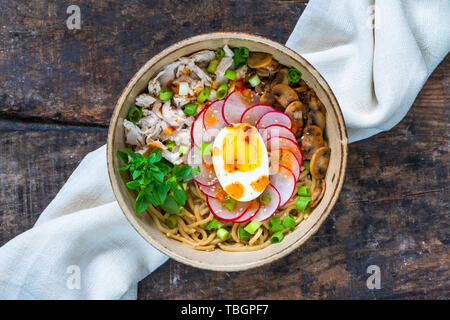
215, 206
285, 158
274, 117
207, 176
251, 211
284, 181
198, 131
276, 130
267, 210
213, 120
234, 106
276, 143
211, 191
254, 113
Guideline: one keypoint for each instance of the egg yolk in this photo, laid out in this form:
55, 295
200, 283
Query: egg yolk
242, 150
235, 190
260, 184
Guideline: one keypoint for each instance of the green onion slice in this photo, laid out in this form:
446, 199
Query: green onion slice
277, 237
305, 164
302, 202
289, 221
223, 233
220, 53
165, 94
304, 191
135, 114
212, 66
229, 203
190, 109
171, 221
265, 198
243, 235
294, 75
275, 224
230, 74
171, 145
253, 226
206, 149
254, 80
222, 91
213, 224
204, 94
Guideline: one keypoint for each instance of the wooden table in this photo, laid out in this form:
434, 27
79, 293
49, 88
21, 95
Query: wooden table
58, 89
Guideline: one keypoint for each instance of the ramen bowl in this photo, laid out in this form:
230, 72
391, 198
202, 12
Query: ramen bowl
223, 260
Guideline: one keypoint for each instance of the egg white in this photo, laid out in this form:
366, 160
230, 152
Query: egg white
245, 178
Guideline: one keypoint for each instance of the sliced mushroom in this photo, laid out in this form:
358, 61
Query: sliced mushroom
295, 111
319, 162
284, 94
259, 60
267, 98
281, 77
316, 117
317, 194
312, 140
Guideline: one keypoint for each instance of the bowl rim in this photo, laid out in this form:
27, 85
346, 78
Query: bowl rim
239, 36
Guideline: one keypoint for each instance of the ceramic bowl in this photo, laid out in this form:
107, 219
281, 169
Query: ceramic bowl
220, 260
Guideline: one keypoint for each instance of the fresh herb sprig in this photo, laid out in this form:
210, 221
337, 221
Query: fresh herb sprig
158, 182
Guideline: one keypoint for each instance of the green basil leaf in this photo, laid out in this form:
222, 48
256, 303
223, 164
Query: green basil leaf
155, 156
142, 202
123, 156
171, 206
136, 174
133, 185
180, 196
161, 192
130, 153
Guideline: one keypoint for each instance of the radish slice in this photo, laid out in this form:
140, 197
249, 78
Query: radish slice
207, 176
211, 191
285, 158
276, 143
284, 181
250, 213
234, 106
213, 120
267, 210
276, 130
254, 113
198, 132
215, 206
274, 117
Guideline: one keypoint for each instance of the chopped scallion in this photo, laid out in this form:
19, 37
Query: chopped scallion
222, 91
223, 233
220, 53
190, 109
229, 203
171, 221
305, 164
304, 191
254, 80
165, 94
230, 74
294, 75
206, 149
275, 224
302, 202
265, 198
204, 94
135, 114
253, 226
243, 235
213, 224
170, 145
289, 221
277, 237
212, 66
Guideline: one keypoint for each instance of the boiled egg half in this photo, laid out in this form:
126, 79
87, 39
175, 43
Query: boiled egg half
241, 162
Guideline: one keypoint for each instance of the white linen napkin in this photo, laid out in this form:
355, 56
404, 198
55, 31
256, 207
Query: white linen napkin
375, 54
82, 247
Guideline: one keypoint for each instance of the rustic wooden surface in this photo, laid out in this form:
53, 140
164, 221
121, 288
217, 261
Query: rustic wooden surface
58, 89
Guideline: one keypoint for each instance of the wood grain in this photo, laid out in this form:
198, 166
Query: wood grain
58, 91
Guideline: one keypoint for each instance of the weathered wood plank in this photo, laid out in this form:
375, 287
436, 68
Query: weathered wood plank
76, 76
